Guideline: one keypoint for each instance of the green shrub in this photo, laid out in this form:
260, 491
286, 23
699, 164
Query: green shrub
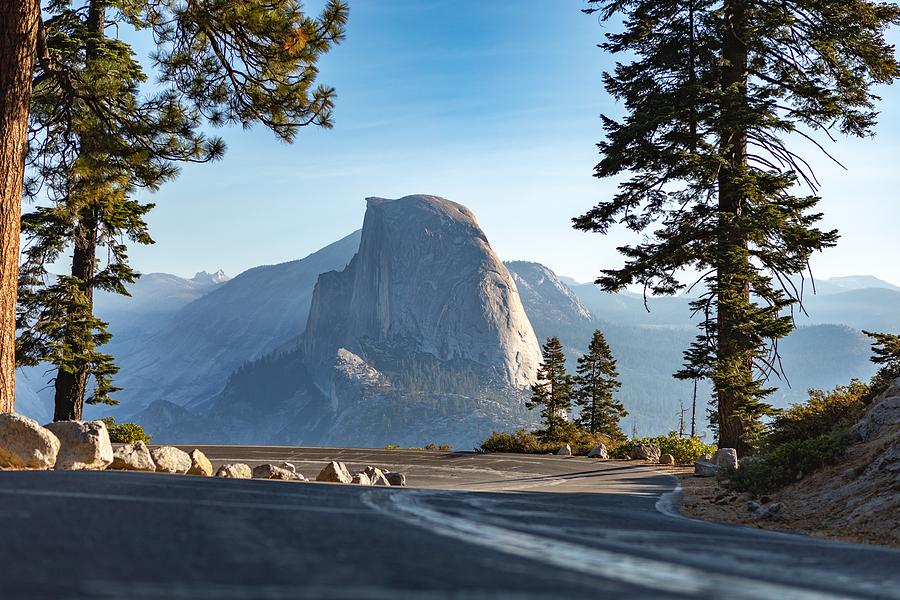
125, 433
439, 448
786, 463
823, 413
523, 442
392, 447
685, 449
801, 439
520, 441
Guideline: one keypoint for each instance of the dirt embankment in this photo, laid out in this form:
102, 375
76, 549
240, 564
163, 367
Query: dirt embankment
857, 500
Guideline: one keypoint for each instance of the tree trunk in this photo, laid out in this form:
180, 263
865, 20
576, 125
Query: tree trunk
71, 387
19, 20
734, 363
694, 412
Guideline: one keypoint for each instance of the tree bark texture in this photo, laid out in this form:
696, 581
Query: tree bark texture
19, 23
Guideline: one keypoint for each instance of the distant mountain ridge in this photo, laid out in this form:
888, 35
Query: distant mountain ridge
200, 345
832, 285
209, 353
422, 336
158, 292
648, 347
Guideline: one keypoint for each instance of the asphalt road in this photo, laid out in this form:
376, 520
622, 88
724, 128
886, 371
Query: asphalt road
469, 526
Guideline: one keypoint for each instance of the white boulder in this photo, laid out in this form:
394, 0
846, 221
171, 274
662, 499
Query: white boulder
335, 472
649, 452
235, 471
200, 465
376, 476
361, 479
725, 458
703, 468
270, 471
169, 459
133, 457
565, 451
599, 452
25, 444
82, 445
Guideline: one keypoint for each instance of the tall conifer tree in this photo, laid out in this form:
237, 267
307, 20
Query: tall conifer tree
553, 391
596, 381
97, 138
713, 91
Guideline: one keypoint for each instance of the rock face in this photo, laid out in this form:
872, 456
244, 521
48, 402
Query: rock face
25, 444
83, 445
133, 457
200, 465
171, 460
425, 279
883, 415
424, 327
547, 299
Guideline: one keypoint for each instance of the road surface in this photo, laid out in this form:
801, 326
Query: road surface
469, 526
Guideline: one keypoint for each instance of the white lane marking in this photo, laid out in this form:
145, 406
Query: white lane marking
669, 502
647, 573
190, 502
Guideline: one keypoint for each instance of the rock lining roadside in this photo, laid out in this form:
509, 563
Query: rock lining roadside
85, 445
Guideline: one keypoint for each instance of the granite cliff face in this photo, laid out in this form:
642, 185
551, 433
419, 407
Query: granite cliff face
422, 337
424, 282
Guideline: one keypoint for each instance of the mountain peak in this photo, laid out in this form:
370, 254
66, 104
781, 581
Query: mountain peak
858, 282
213, 278
426, 280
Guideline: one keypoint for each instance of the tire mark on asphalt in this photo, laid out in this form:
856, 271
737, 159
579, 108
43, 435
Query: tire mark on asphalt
648, 573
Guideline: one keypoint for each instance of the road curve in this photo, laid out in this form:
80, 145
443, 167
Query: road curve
469, 526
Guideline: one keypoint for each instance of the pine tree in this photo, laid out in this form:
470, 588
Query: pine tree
713, 93
552, 392
594, 385
97, 138
885, 354
698, 359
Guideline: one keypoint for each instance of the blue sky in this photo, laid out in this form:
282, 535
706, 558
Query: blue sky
494, 104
